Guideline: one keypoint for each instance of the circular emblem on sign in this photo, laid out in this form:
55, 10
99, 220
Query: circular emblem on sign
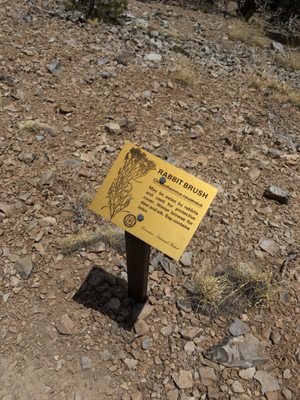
129, 220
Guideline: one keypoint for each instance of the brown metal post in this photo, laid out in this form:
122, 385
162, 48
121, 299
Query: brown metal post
138, 256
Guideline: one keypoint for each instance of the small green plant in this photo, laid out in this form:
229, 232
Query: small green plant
100, 9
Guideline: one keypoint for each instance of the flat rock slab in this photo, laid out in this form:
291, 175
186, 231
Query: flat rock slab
243, 351
267, 381
269, 246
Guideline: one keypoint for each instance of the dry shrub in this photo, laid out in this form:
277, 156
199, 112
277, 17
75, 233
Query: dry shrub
155, 25
36, 125
242, 32
76, 210
209, 291
93, 21
186, 75
276, 90
98, 9
236, 289
110, 236
66, 215
289, 62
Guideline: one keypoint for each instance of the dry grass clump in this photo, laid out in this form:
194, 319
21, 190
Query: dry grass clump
210, 290
289, 62
155, 25
276, 90
186, 75
36, 125
110, 236
93, 21
230, 291
242, 32
76, 211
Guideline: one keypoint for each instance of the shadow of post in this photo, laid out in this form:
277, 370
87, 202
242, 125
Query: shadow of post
108, 294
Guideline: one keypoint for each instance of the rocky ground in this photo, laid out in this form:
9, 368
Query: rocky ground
176, 85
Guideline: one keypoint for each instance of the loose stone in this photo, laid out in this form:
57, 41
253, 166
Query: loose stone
146, 343
276, 193
166, 330
141, 327
131, 363
207, 376
238, 327
267, 381
24, 267
113, 128
183, 379
154, 57
65, 326
186, 258
247, 373
189, 333
184, 305
172, 394
189, 347
237, 387
269, 246
86, 362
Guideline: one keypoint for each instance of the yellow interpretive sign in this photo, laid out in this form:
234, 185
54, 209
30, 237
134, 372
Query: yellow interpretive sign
153, 200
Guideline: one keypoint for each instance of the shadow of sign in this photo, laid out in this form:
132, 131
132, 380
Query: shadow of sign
108, 294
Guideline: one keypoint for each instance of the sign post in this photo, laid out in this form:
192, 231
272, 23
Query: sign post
138, 256
156, 203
